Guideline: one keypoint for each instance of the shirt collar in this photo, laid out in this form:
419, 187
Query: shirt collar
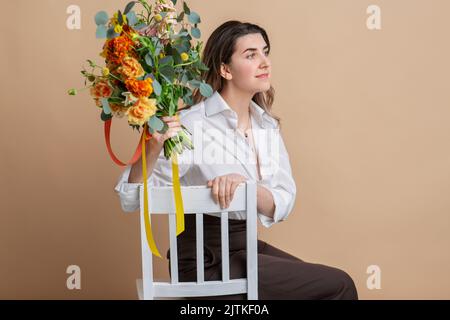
217, 104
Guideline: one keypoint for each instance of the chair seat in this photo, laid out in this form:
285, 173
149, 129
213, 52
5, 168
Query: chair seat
164, 289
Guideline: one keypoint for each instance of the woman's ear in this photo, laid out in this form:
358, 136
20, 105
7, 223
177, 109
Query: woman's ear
225, 72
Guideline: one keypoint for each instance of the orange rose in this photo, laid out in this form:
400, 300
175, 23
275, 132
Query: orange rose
101, 89
139, 88
118, 110
131, 68
141, 111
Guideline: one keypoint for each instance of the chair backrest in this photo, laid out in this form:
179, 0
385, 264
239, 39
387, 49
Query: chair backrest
198, 200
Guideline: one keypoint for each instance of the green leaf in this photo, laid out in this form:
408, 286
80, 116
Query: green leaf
206, 90
180, 17
128, 7
100, 33
101, 18
186, 8
172, 108
155, 123
196, 33
194, 17
156, 87
119, 17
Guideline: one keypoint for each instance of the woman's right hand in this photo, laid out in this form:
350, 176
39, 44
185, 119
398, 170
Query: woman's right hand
174, 126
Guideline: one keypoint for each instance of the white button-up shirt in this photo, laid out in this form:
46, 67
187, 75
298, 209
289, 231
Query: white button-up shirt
220, 149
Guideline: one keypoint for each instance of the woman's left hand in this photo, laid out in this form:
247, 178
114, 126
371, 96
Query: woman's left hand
223, 188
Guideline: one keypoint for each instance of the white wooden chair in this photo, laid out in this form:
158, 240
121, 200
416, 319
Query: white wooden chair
198, 200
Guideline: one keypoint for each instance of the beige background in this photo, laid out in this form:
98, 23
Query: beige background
365, 118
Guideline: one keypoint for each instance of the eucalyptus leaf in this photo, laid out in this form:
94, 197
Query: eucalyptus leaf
203, 66
149, 59
157, 50
132, 18
105, 105
181, 48
100, 33
101, 18
196, 33
206, 90
111, 34
194, 17
167, 71
140, 26
195, 83
155, 123
156, 87
166, 78
168, 60
184, 79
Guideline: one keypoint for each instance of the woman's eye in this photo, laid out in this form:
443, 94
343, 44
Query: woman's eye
253, 54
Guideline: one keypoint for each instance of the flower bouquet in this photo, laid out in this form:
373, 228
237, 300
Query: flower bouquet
151, 63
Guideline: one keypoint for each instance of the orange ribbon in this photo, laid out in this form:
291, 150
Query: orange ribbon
140, 150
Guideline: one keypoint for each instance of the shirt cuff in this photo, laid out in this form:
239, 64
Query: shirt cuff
280, 208
128, 192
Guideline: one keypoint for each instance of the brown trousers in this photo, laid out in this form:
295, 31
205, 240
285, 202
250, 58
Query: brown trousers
281, 276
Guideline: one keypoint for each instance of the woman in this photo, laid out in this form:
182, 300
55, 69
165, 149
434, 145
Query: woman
239, 72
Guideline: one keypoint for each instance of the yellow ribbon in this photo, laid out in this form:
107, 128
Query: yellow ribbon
177, 195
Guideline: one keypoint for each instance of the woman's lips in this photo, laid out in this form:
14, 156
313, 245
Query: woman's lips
263, 76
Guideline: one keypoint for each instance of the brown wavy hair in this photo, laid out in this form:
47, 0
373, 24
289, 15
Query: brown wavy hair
218, 49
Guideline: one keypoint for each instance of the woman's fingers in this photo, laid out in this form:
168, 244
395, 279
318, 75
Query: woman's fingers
228, 195
172, 132
169, 119
174, 125
222, 191
215, 190
233, 187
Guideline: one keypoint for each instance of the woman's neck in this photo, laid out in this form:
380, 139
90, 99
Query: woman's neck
239, 102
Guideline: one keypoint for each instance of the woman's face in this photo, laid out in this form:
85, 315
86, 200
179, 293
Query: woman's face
249, 60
